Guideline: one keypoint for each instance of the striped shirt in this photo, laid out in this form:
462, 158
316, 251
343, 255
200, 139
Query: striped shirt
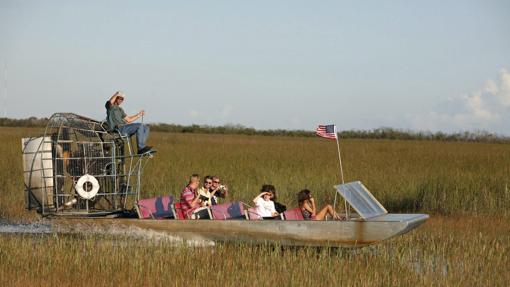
187, 196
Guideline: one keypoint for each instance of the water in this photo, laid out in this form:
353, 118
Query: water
26, 228
134, 232
147, 235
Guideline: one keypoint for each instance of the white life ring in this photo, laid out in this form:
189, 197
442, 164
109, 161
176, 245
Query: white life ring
87, 178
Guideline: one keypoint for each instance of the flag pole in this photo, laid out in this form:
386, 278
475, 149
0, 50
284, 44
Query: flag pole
341, 173
339, 156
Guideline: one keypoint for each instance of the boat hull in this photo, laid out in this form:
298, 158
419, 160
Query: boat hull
354, 233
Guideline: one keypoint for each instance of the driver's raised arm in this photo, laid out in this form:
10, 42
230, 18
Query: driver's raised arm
114, 97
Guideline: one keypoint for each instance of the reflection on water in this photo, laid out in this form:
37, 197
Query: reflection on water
133, 232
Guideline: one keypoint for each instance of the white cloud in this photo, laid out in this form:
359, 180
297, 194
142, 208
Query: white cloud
487, 109
477, 108
503, 92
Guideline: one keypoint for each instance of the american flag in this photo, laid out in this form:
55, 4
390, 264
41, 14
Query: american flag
326, 131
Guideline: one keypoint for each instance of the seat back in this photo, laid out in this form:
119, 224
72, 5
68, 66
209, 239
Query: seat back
157, 207
252, 214
179, 212
293, 214
230, 210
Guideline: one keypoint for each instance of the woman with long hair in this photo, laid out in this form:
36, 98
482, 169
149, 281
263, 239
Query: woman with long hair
309, 209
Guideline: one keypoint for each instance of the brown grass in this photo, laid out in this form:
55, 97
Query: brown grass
406, 176
446, 251
465, 185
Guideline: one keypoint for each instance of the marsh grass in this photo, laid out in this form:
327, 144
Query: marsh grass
445, 251
406, 176
463, 185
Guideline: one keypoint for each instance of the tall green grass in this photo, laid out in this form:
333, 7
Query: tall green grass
444, 252
406, 176
464, 186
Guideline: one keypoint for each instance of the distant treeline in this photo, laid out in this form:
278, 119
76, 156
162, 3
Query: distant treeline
31, 122
379, 133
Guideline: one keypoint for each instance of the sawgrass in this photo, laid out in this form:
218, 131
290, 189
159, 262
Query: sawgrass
464, 185
455, 251
405, 176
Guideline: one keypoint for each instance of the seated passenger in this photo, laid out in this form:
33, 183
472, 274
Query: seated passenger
205, 196
309, 210
189, 198
264, 205
219, 190
280, 208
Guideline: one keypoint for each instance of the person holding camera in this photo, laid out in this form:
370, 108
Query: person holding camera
218, 190
309, 209
205, 195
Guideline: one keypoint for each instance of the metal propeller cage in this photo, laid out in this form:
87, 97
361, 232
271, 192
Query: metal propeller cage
78, 168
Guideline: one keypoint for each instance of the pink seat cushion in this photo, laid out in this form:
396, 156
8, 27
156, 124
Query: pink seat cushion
293, 214
179, 212
253, 215
231, 210
157, 207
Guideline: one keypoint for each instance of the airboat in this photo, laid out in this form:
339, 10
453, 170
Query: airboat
78, 174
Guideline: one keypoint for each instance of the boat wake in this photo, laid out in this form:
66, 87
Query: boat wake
134, 232
147, 236
28, 228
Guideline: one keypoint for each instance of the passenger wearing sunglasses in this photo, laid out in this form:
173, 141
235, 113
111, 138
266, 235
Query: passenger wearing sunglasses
117, 119
309, 209
204, 193
219, 190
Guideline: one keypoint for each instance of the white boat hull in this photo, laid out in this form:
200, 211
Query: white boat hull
354, 233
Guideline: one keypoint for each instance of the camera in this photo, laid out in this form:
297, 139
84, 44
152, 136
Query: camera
221, 190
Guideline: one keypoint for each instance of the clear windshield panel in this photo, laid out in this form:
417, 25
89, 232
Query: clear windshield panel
360, 198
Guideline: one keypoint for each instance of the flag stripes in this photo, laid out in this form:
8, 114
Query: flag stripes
326, 131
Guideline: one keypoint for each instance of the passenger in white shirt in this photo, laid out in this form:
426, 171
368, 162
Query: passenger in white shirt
264, 205
204, 194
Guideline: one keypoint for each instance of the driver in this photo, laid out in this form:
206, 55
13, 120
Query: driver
117, 119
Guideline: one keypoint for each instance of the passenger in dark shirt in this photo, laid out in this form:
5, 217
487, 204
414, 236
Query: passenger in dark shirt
219, 190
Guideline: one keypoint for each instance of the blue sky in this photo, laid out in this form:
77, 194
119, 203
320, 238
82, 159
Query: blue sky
421, 65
